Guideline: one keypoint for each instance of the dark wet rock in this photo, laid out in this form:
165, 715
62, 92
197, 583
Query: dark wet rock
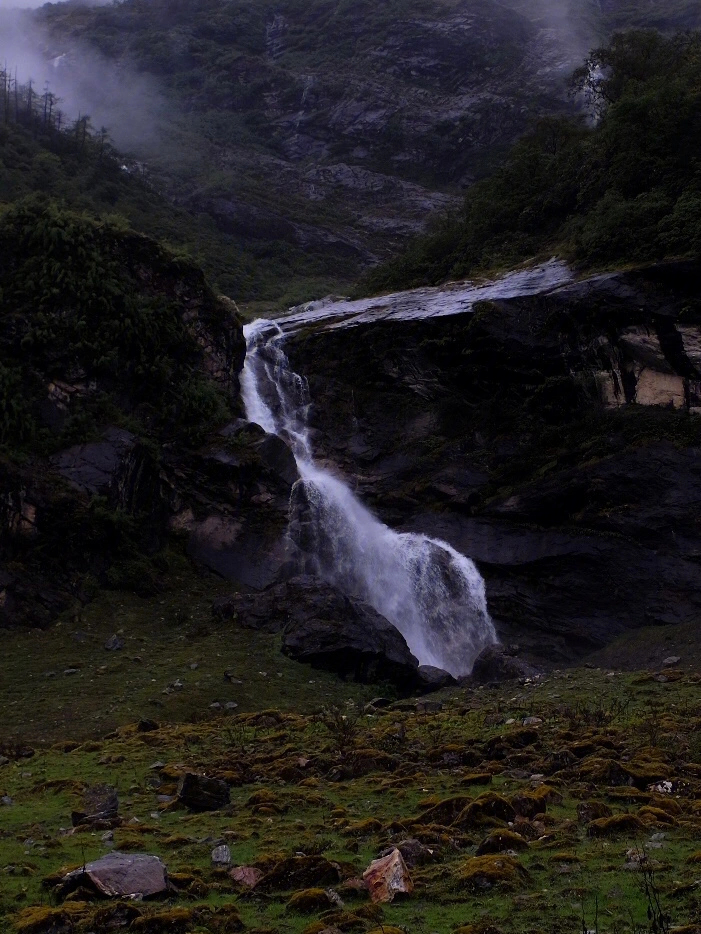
95, 467
328, 630
573, 404
498, 663
114, 643
120, 875
100, 808
201, 793
146, 725
433, 679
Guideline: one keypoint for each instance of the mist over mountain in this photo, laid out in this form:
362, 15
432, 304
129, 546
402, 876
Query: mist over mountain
317, 137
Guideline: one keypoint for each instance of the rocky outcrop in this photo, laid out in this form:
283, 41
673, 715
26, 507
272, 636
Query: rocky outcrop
553, 438
324, 628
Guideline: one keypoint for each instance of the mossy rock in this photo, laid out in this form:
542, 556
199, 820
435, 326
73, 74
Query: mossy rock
644, 773
588, 811
172, 920
601, 771
500, 841
629, 824
295, 872
226, 920
316, 927
667, 804
40, 919
445, 812
476, 778
481, 927
483, 873
488, 806
655, 815
309, 900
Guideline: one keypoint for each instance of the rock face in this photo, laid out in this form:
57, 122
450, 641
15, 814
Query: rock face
536, 436
326, 629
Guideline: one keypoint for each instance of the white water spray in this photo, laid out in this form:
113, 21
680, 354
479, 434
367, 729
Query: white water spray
433, 595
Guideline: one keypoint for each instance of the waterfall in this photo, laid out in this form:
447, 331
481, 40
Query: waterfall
434, 595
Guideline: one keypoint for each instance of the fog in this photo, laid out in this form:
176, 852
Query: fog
112, 93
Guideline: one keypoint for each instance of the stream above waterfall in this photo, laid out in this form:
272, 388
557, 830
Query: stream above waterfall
430, 302
434, 595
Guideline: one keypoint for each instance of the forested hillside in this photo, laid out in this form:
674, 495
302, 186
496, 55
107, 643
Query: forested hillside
625, 190
312, 140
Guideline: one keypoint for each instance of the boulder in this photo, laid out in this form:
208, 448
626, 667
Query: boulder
387, 877
433, 679
201, 793
100, 808
326, 629
329, 630
120, 875
499, 663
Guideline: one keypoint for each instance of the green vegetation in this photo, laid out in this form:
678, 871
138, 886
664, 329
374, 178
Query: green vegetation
314, 800
93, 303
625, 191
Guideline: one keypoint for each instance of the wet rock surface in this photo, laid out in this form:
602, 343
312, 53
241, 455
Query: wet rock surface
324, 628
498, 434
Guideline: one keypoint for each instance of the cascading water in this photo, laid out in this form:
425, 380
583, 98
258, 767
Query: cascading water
433, 595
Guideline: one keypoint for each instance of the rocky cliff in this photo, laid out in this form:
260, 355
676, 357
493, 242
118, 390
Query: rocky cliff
554, 438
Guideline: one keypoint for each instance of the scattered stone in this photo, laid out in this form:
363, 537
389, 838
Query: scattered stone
147, 726
114, 643
246, 876
221, 855
4, 760
231, 678
387, 877
230, 705
310, 900
100, 808
200, 793
532, 721
71, 671
215, 706
120, 875
7, 801
502, 841
672, 660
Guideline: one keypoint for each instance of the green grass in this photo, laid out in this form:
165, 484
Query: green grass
627, 717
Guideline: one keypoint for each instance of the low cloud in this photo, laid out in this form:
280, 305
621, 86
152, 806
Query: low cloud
112, 93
